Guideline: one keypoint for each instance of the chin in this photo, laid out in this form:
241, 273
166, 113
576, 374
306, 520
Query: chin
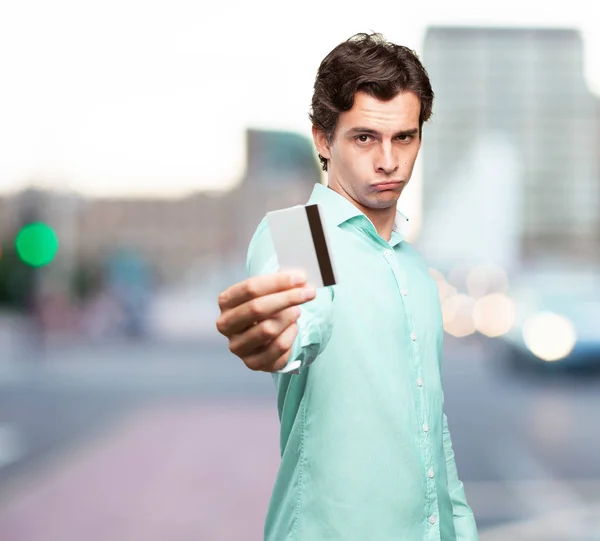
382, 201
387, 196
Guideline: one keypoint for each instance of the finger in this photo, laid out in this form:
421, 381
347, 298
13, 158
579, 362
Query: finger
262, 334
274, 356
258, 286
241, 318
281, 362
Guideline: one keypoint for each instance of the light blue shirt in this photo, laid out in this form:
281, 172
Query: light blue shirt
366, 454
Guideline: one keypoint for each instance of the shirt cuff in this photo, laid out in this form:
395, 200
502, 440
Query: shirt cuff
314, 330
292, 367
294, 363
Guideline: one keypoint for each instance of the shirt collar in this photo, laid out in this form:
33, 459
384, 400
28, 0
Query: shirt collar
338, 209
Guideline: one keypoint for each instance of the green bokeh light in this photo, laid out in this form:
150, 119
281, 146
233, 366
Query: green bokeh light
37, 244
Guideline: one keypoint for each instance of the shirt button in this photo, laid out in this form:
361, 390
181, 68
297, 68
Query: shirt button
387, 252
430, 474
413, 336
419, 382
425, 428
404, 292
432, 520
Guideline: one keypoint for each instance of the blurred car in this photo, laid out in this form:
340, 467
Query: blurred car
557, 322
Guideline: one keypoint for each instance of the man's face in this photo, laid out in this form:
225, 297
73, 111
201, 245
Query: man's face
373, 151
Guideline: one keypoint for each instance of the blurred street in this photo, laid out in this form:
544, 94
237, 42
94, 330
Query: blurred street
177, 441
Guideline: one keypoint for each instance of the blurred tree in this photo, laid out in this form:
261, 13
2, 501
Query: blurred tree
16, 279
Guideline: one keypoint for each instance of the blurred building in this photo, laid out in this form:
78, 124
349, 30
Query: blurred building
511, 164
201, 233
281, 171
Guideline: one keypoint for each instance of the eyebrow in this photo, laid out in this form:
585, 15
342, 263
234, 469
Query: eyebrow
375, 133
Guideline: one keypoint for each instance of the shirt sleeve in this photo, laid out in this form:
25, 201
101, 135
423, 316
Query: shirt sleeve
464, 521
315, 321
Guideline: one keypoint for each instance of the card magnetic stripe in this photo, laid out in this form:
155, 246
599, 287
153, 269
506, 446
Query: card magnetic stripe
318, 236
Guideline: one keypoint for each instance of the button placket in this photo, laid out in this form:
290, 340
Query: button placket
418, 370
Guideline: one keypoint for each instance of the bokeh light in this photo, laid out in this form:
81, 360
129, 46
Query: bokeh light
486, 279
549, 336
457, 313
494, 314
457, 275
37, 244
445, 290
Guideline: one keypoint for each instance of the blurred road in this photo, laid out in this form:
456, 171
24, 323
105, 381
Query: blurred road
177, 442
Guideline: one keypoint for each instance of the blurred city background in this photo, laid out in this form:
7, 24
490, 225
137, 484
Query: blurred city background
142, 144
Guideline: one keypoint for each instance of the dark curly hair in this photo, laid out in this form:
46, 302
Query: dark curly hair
367, 63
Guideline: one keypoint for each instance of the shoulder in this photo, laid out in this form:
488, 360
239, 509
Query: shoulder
261, 231
261, 258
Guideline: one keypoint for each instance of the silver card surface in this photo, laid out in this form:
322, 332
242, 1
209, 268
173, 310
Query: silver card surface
301, 242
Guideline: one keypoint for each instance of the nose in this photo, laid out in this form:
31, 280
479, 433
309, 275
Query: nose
386, 161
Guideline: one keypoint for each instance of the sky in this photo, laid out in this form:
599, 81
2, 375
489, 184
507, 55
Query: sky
131, 97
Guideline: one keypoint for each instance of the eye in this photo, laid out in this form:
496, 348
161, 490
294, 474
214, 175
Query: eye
363, 138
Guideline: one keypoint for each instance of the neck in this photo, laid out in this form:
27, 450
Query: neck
383, 220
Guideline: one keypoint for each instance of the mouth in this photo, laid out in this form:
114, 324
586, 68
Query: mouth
392, 185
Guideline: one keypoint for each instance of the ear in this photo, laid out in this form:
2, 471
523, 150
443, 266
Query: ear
321, 143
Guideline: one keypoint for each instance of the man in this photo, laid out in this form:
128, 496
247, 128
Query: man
366, 451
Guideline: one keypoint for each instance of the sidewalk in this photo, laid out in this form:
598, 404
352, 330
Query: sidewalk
190, 471
185, 472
